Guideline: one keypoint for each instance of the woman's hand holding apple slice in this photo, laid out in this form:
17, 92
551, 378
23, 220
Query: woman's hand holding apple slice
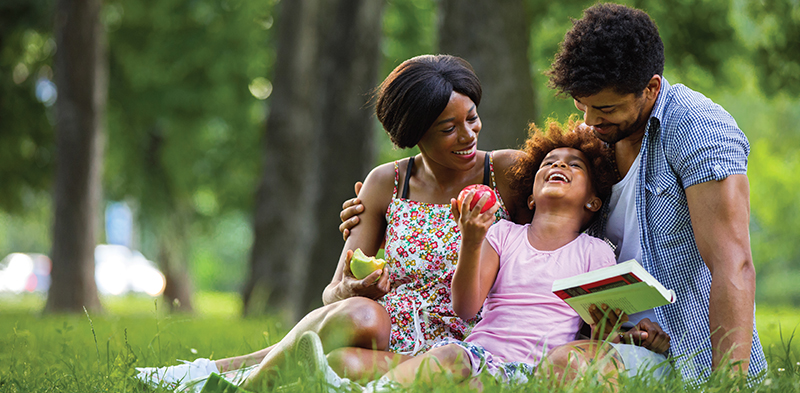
373, 286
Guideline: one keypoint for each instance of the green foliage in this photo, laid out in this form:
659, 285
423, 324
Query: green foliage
180, 102
219, 259
772, 32
26, 135
187, 102
409, 28
27, 231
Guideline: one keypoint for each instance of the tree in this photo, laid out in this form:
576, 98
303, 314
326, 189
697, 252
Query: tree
81, 79
186, 112
318, 141
495, 38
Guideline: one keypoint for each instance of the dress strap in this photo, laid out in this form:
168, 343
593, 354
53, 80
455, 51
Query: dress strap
488, 176
408, 177
490, 164
396, 178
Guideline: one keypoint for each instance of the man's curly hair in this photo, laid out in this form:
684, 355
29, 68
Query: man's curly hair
612, 46
573, 134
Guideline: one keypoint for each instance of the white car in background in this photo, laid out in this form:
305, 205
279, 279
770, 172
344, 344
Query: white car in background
118, 271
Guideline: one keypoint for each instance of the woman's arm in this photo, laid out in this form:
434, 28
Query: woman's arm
478, 262
375, 196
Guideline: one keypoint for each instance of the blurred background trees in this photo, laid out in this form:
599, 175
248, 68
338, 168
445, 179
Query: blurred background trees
82, 82
235, 128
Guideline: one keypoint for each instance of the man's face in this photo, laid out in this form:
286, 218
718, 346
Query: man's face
615, 116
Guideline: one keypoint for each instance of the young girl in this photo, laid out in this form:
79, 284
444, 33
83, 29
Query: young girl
508, 269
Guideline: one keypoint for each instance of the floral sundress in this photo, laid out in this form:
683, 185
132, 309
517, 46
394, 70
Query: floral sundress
421, 251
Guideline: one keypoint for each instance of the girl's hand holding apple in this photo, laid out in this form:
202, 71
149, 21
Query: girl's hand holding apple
474, 211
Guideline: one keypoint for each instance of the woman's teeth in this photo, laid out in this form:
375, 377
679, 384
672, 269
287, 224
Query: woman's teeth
465, 152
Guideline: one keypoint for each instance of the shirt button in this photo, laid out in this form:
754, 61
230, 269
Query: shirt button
658, 190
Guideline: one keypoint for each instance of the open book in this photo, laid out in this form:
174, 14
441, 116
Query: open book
625, 286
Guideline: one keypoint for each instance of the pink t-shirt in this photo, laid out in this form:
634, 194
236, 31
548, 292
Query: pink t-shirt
522, 318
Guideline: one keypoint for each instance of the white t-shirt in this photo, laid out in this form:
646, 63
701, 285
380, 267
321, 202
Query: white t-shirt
622, 228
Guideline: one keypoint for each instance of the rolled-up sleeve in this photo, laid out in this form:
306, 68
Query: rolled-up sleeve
708, 145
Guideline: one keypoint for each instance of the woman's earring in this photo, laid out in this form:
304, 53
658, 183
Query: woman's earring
588, 205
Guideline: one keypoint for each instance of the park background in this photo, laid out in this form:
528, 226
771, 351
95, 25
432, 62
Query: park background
232, 131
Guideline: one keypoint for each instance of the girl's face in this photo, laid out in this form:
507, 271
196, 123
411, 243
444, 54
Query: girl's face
453, 138
564, 174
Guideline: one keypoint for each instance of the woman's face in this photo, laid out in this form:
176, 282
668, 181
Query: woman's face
452, 140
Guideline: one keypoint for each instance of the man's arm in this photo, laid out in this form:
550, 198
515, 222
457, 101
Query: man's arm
720, 213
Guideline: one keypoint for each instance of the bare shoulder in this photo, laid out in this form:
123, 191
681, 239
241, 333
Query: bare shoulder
506, 158
381, 175
379, 185
503, 161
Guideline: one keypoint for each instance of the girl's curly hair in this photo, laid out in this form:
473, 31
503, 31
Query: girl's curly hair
573, 134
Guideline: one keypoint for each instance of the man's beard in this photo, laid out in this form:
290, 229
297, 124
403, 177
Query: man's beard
622, 133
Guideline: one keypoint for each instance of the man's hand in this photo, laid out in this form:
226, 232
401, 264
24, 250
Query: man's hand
351, 208
647, 334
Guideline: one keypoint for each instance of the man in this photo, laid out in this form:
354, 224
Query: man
681, 207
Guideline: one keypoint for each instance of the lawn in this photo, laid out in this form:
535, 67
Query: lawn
97, 353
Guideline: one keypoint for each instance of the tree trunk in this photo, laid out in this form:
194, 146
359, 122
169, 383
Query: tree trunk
173, 262
82, 88
497, 46
170, 217
318, 142
286, 196
349, 61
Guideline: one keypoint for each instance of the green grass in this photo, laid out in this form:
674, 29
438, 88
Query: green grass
97, 353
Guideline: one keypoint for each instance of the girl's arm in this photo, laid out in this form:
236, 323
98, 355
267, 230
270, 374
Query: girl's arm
478, 262
375, 195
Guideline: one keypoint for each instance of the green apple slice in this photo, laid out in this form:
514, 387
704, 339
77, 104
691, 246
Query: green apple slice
362, 265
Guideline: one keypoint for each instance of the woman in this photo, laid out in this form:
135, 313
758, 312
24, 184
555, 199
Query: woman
430, 102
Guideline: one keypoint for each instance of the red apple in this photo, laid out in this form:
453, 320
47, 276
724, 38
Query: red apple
480, 190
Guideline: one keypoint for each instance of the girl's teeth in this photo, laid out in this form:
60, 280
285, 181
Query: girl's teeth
464, 152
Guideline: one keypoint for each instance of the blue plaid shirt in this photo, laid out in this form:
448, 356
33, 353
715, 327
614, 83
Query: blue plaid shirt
688, 140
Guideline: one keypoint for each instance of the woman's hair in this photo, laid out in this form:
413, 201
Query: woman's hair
612, 46
417, 92
602, 173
